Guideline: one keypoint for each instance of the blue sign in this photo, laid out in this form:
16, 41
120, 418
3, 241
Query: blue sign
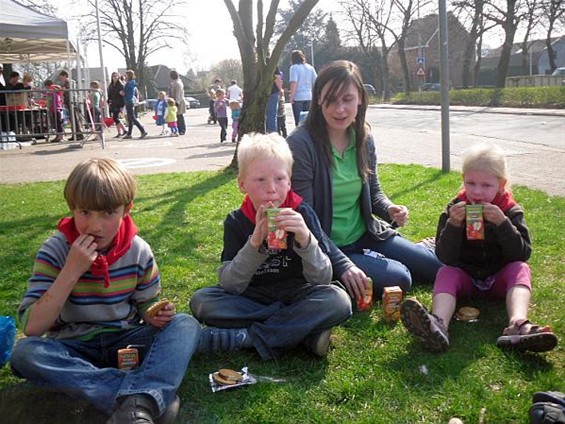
420, 61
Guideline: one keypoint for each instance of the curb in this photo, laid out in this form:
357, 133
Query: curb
477, 109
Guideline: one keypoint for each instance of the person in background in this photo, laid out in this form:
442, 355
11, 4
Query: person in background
234, 91
281, 116
335, 171
176, 92
235, 107
129, 92
273, 102
161, 112
69, 100
95, 114
493, 264
89, 296
116, 102
270, 299
302, 77
171, 117
212, 96
55, 106
221, 111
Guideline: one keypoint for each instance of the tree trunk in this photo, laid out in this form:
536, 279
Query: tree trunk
259, 64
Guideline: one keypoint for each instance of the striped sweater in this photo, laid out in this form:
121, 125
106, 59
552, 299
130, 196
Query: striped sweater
135, 283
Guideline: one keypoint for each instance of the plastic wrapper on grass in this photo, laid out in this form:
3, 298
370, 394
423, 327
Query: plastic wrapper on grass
246, 380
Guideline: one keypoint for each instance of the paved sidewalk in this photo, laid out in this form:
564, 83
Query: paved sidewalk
199, 149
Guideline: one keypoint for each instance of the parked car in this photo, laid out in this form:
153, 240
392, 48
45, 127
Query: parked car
559, 72
370, 89
192, 103
431, 86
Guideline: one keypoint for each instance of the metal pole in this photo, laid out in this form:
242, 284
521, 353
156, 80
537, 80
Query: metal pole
312, 50
444, 85
104, 78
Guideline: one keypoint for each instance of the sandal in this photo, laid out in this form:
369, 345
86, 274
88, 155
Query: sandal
536, 339
426, 327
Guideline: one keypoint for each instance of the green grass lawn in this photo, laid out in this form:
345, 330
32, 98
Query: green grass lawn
374, 372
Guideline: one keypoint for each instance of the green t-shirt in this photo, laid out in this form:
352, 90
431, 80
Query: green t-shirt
347, 223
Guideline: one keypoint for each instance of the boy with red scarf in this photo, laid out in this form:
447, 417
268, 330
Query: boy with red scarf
495, 266
268, 299
91, 287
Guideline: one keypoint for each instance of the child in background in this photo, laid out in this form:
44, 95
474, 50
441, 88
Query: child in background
281, 116
235, 107
160, 112
270, 299
495, 266
221, 111
95, 115
89, 294
171, 117
55, 107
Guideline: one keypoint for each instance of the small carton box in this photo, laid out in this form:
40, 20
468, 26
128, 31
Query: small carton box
474, 222
128, 358
392, 299
276, 238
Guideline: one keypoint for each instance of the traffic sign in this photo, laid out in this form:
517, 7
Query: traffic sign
420, 72
420, 61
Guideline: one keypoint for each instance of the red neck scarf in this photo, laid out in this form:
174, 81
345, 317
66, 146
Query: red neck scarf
292, 201
503, 200
120, 245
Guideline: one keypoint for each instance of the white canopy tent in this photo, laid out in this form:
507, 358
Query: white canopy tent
30, 36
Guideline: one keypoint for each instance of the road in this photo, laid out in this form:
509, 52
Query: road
535, 144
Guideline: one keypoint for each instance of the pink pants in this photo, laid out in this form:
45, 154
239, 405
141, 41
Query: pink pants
458, 283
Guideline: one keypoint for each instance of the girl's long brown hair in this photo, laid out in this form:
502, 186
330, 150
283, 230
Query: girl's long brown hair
338, 76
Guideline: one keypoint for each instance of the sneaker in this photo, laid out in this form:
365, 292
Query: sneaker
135, 409
426, 327
214, 340
126, 137
118, 135
318, 343
143, 134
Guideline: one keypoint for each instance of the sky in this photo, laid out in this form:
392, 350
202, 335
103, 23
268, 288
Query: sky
211, 37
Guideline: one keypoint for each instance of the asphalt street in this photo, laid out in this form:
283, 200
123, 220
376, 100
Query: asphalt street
533, 139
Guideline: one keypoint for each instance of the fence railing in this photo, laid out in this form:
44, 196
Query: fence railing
51, 115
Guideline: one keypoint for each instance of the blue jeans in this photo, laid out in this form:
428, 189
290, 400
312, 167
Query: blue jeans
399, 261
299, 106
276, 318
87, 369
272, 111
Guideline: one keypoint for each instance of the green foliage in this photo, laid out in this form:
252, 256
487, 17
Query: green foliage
530, 97
374, 373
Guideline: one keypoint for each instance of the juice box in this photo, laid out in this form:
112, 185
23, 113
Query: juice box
392, 298
474, 222
366, 301
276, 238
128, 358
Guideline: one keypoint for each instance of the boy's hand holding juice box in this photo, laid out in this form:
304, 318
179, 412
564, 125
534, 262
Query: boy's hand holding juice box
276, 237
474, 222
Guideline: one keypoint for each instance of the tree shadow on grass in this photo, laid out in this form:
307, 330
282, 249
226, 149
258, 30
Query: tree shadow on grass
28, 404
